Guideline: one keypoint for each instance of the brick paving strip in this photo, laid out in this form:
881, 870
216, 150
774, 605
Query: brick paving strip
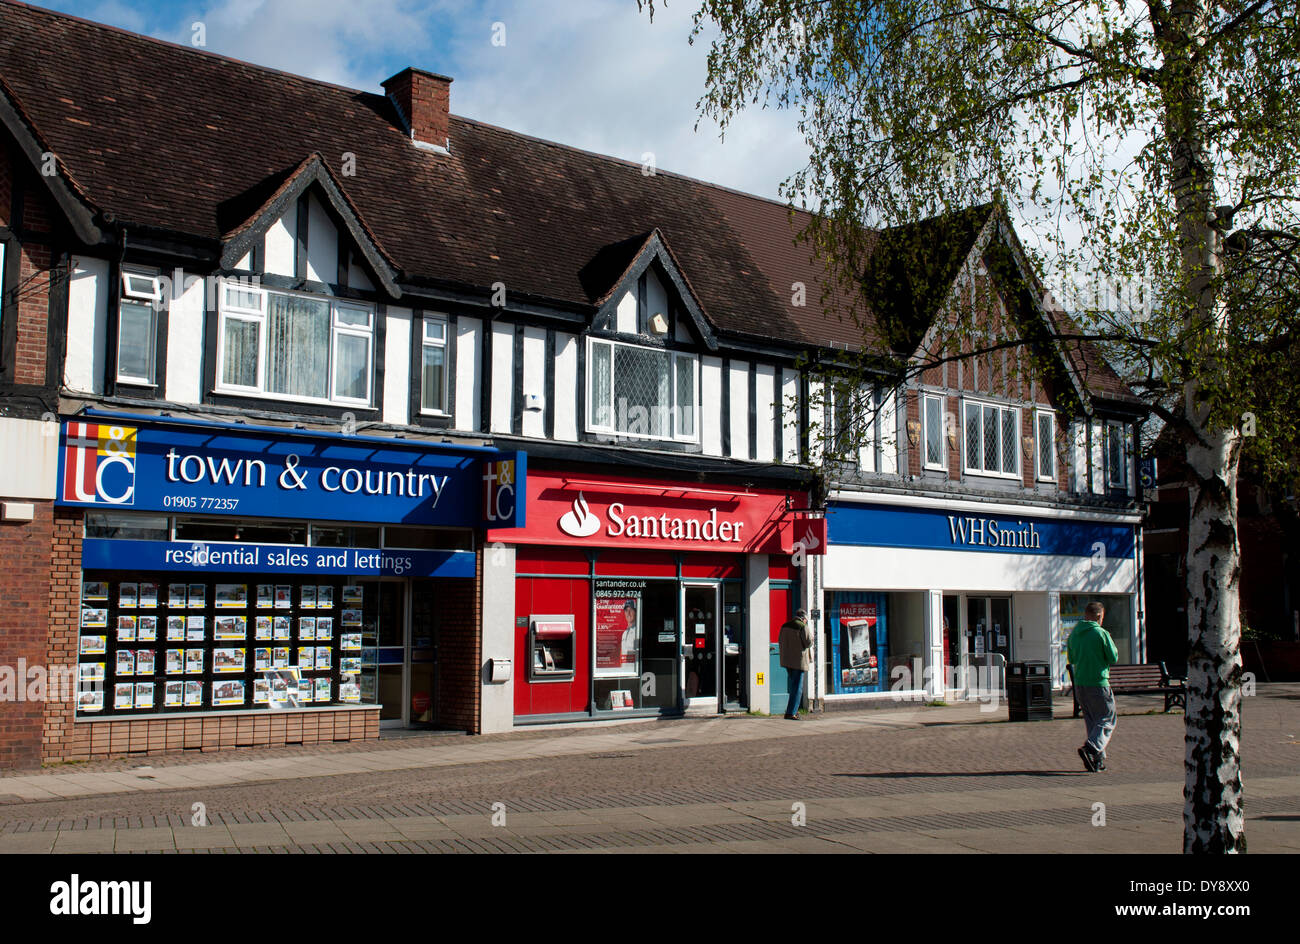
848, 812
1048, 820
446, 752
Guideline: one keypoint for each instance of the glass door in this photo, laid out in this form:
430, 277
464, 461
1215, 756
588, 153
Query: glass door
424, 649
383, 640
733, 646
988, 637
952, 637
700, 631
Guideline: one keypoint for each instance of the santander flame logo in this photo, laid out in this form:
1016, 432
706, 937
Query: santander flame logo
580, 522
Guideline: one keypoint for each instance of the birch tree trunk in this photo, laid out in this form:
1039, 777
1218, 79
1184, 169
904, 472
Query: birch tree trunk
1213, 819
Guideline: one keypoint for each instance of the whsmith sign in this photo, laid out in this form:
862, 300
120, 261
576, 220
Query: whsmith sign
219, 470
939, 529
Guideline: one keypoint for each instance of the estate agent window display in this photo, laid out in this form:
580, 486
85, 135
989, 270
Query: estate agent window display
168, 642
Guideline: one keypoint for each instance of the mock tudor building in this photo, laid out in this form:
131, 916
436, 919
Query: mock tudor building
323, 410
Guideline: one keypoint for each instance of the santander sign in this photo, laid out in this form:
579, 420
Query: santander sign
600, 510
581, 522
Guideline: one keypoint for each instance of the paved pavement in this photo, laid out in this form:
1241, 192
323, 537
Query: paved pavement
913, 779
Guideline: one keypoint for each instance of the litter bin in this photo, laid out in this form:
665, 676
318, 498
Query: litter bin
1029, 691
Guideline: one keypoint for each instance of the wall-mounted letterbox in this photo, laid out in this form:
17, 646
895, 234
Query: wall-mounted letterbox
551, 641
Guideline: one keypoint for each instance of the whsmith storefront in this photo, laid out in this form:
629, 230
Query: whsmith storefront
625, 596
235, 584
915, 591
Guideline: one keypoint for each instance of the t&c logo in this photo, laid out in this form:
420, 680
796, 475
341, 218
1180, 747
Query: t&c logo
499, 479
99, 464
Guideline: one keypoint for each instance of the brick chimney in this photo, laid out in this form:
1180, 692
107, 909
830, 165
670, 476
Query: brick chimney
423, 100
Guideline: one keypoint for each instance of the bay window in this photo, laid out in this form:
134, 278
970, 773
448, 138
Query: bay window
992, 439
298, 347
137, 329
646, 392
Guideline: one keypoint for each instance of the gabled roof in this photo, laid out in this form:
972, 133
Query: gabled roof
654, 249
169, 138
63, 188
312, 173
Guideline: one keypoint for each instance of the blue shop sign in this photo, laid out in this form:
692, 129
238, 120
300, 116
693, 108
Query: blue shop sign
241, 558
941, 529
223, 470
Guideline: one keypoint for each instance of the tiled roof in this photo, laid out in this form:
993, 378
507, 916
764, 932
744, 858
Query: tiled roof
180, 140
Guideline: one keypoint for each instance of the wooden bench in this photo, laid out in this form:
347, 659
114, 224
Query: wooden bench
1150, 679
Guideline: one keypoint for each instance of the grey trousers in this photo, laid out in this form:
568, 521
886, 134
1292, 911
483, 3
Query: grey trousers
1098, 706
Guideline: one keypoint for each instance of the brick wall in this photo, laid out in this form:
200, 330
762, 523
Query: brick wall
460, 654
63, 635
25, 205
33, 295
24, 617
218, 732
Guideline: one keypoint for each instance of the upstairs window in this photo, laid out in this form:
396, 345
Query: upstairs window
433, 365
847, 411
992, 438
642, 392
137, 329
1045, 444
932, 416
1117, 456
295, 347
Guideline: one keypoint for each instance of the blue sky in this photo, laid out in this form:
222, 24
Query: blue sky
595, 74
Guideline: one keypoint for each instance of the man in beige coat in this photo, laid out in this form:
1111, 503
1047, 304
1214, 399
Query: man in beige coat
794, 642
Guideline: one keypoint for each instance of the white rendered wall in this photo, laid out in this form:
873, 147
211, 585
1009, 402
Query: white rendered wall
185, 339
563, 398
469, 352
83, 369
790, 415
738, 378
765, 407
534, 419
322, 244
711, 405
281, 243
503, 376
397, 366
656, 296
625, 314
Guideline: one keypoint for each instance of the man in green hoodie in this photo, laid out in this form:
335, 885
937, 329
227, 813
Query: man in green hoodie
1092, 652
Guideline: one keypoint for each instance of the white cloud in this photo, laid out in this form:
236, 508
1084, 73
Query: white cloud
340, 41
602, 77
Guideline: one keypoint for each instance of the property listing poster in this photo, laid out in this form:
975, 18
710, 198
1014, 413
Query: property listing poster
859, 664
618, 627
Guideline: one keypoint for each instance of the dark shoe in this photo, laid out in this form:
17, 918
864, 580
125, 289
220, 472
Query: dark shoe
1101, 761
792, 718
1088, 762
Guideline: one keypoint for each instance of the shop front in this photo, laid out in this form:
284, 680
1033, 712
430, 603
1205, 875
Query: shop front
249, 574
935, 600
641, 596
